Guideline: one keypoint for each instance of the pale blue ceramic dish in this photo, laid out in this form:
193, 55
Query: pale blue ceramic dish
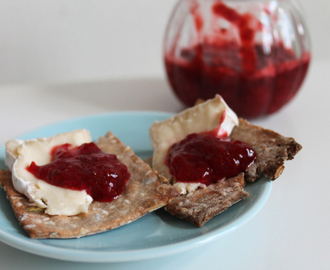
154, 235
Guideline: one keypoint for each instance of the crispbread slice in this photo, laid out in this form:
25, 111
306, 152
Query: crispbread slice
145, 192
272, 150
205, 203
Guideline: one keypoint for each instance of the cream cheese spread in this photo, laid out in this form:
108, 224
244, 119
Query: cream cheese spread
210, 115
56, 200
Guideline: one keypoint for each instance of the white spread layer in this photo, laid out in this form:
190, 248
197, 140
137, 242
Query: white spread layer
184, 188
56, 200
200, 118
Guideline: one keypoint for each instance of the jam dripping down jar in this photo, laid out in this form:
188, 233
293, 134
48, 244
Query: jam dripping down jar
254, 53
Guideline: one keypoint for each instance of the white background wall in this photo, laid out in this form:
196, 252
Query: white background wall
68, 40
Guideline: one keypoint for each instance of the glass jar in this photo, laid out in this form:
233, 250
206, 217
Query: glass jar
254, 53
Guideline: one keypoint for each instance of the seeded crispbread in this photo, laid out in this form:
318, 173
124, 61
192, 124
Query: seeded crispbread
205, 203
272, 151
201, 205
145, 192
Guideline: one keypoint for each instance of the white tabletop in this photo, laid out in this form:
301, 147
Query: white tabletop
290, 232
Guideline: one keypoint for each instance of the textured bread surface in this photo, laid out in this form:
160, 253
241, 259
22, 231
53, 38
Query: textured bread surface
203, 204
272, 151
145, 192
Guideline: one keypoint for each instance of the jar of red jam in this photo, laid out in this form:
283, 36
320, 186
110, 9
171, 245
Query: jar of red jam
254, 53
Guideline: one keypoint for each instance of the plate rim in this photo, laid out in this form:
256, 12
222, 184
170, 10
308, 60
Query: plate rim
35, 247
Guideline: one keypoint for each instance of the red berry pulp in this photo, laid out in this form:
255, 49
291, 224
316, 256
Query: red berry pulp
252, 81
207, 159
84, 167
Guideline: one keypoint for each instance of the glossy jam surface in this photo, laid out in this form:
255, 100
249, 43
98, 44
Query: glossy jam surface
207, 159
253, 80
84, 167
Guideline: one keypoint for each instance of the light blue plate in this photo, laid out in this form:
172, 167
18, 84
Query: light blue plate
154, 235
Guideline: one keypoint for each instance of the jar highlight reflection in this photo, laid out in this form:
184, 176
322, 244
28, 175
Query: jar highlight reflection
255, 54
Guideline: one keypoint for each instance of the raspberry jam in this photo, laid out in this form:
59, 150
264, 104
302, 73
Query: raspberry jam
84, 167
207, 159
218, 47
249, 95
